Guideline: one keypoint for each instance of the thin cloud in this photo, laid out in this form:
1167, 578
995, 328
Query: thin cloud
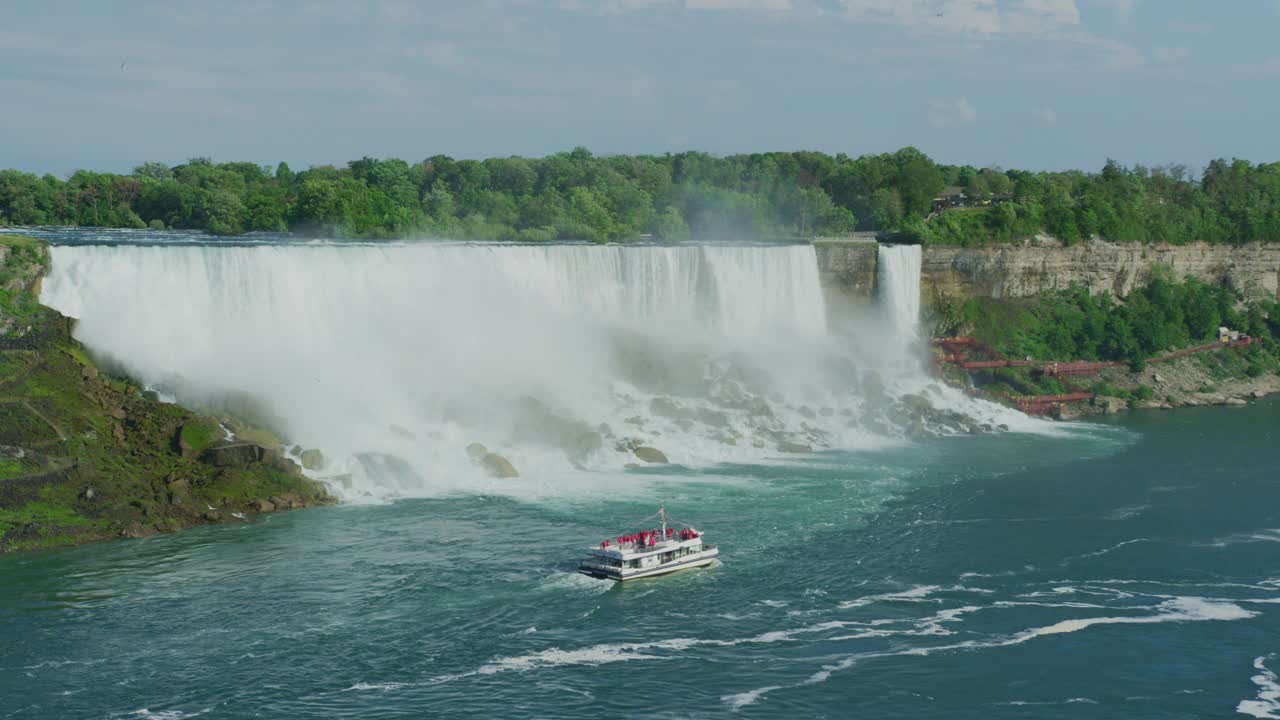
1122, 8
446, 55
1045, 114
943, 113
1170, 54
1054, 20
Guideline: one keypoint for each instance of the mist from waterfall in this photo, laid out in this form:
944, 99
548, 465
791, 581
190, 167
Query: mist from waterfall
563, 358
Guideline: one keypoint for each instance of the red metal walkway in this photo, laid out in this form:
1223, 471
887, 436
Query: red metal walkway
1041, 404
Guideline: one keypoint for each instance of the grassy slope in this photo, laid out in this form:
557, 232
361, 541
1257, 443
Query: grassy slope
85, 457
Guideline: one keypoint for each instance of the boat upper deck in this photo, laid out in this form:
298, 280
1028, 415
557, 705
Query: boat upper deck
632, 551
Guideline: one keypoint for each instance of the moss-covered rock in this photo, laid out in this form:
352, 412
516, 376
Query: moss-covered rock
88, 457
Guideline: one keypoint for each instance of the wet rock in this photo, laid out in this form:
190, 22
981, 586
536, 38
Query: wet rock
918, 404
651, 455
666, 408
714, 418
498, 466
1110, 405
476, 451
580, 447
399, 432
234, 455
343, 481
286, 502
1157, 378
283, 464
312, 459
1257, 394
1002, 427
213, 516
793, 447
263, 506
1234, 401
137, 530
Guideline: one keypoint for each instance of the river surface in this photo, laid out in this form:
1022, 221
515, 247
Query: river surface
1119, 570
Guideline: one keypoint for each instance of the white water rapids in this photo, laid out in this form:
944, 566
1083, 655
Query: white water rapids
393, 358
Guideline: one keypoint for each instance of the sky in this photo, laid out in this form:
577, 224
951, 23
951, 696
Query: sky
1029, 84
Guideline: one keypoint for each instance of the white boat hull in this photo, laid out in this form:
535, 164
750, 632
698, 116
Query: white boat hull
688, 563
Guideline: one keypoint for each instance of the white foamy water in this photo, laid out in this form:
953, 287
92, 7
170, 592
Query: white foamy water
392, 359
1267, 704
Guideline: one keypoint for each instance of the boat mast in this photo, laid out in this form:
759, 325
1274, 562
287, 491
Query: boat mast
662, 513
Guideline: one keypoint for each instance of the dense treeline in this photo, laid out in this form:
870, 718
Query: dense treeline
576, 195
1163, 316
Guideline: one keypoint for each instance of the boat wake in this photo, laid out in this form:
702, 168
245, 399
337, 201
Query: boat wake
1267, 704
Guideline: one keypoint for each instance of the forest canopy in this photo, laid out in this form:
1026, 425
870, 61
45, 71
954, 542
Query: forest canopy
577, 195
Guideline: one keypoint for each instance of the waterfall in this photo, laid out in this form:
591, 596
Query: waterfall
899, 280
393, 358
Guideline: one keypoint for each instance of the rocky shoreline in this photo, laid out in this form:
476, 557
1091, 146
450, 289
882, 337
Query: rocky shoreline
1184, 383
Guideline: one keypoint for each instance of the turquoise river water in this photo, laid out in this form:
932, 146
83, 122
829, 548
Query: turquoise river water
1125, 569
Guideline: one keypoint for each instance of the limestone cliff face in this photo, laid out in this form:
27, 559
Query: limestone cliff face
1043, 264
847, 268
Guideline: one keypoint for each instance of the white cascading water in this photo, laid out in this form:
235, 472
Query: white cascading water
393, 358
898, 270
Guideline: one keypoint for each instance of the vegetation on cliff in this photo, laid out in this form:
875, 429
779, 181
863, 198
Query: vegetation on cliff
1165, 315
84, 456
576, 195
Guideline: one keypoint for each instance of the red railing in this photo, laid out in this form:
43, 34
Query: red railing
1039, 404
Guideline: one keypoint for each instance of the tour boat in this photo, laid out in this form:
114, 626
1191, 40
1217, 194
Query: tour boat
649, 553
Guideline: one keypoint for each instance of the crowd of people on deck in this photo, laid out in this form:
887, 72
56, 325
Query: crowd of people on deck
649, 538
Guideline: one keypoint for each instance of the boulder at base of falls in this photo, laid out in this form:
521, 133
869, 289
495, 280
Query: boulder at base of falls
791, 447
283, 464
476, 451
402, 432
918, 404
650, 455
312, 459
498, 466
579, 447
